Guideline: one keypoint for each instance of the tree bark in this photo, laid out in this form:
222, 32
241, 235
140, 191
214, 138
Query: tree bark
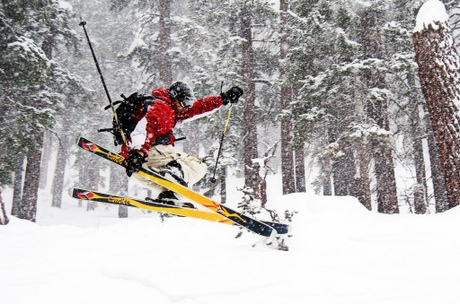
364, 181
377, 110
28, 209
3, 217
440, 79
59, 173
250, 150
164, 36
387, 201
287, 154
437, 177
17, 187
369, 34
300, 180
47, 148
420, 206
326, 172
223, 184
344, 172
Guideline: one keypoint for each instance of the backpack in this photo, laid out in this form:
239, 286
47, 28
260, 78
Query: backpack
128, 113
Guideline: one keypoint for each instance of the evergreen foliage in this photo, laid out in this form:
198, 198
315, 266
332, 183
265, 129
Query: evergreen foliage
349, 66
28, 95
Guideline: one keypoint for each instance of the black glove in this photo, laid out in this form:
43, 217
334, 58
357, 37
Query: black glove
231, 95
134, 162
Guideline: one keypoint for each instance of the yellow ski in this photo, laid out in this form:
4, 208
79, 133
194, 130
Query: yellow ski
267, 229
156, 206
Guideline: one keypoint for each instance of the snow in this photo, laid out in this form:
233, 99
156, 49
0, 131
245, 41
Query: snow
431, 12
65, 5
339, 253
137, 43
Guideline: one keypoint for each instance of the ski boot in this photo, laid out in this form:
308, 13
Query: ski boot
172, 172
168, 197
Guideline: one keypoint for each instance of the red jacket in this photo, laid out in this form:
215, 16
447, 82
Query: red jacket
162, 116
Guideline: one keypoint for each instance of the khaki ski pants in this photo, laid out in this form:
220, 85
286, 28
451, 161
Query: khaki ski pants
160, 155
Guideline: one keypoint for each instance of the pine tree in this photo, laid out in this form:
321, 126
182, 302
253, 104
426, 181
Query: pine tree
30, 77
25, 106
439, 76
317, 62
408, 97
377, 106
286, 92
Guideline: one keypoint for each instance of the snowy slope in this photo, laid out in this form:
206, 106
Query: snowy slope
340, 253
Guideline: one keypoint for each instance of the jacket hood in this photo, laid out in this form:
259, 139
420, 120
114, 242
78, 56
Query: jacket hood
162, 93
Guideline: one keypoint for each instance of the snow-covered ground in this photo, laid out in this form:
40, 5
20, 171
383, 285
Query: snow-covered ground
339, 253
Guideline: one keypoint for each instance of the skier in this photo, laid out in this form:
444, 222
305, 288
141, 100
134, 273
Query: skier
151, 143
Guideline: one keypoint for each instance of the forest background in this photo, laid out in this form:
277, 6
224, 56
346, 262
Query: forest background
331, 90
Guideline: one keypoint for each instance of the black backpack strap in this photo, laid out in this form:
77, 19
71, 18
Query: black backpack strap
126, 111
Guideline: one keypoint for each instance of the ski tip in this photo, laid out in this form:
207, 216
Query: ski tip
82, 141
81, 194
73, 192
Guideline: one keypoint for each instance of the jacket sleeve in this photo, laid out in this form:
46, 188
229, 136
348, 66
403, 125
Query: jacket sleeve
159, 120
201, 106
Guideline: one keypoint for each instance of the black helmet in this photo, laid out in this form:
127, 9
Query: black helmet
182, 92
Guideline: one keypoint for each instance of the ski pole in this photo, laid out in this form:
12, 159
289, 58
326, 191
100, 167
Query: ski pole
213, 178
125, 142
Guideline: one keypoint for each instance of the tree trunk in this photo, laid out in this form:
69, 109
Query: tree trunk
17, 187
164, 38
59, 173
88, 175
28, 209
287, 155
47, 148
364, 181
387, 201
118, 184
377, 110
437, 177
300, 181
122, 211
344, 172
326, 172
250, 150
370, 36
417, 128
3, 217
440, 79
223, 184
